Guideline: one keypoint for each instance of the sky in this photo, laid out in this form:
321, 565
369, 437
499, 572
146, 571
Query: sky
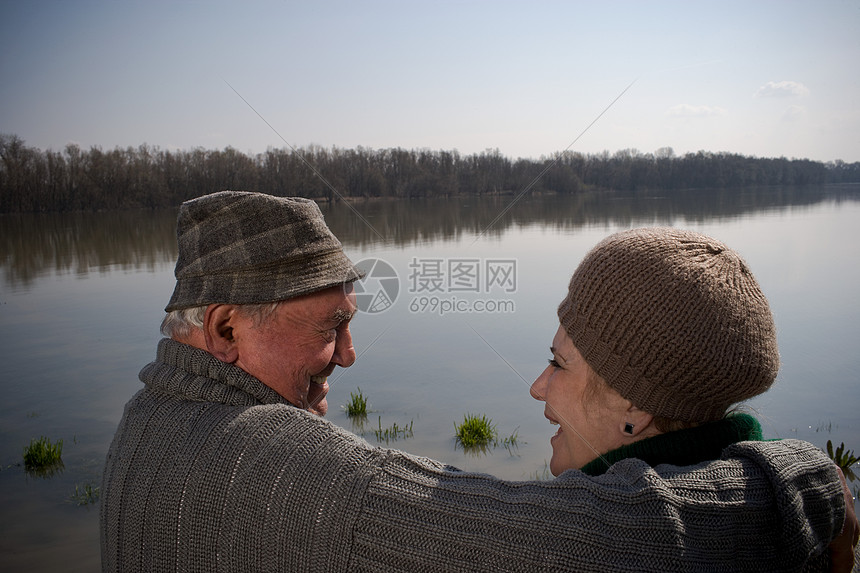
758, 78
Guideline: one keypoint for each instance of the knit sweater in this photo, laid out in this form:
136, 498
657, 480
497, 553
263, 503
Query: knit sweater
210, 470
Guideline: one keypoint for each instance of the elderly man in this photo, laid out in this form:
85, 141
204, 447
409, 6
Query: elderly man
222, 462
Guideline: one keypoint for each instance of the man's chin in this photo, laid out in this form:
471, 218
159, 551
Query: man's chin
317, 402
319, 408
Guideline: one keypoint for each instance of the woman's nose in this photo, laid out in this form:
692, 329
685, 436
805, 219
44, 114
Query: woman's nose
538, 387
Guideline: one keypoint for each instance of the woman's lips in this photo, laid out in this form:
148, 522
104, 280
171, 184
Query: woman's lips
554, 423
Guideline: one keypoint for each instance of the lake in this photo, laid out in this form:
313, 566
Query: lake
456, 318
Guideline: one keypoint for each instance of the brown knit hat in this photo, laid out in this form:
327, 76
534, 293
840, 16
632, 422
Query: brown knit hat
244, 248
674, 321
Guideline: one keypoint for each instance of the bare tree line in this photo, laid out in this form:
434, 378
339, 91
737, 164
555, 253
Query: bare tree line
74, 179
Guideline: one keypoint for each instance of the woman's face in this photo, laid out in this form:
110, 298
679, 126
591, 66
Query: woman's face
583, 425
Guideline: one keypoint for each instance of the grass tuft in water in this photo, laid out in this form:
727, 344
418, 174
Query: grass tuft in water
41, 454
512, 443
85, 494
824, 427
393, 432
475, 431
843, 459
357, 405
543, 475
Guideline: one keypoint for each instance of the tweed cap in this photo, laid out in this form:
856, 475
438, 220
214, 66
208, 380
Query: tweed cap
674, 321
237, 247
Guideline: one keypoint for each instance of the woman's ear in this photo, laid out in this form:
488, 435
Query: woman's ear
637, 424
218, 325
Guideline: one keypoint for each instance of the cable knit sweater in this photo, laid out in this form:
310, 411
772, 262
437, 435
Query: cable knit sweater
210, 470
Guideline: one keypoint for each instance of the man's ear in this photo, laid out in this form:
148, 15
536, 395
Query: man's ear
218, 332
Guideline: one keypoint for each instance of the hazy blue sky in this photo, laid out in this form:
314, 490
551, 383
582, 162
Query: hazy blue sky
778, 78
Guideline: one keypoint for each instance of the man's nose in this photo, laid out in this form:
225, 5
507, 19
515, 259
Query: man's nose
344, 352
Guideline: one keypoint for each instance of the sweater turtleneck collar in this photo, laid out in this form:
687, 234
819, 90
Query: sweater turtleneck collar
683, 447
197, 375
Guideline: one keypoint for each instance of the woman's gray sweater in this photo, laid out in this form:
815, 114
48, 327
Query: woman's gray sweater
210, 470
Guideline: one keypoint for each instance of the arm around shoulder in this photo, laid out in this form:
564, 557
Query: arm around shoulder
806, 489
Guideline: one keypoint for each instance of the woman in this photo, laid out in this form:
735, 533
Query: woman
661, 332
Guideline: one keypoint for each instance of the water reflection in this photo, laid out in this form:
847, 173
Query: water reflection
422, 221
32, 245
45, 472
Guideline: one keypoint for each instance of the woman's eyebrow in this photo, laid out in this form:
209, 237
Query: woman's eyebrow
558, 356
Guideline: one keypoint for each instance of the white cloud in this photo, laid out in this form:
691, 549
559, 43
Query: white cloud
782, 89
687, 110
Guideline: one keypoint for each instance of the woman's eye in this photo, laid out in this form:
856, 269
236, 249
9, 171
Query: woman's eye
554, 363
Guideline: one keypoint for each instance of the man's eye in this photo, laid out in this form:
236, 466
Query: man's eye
554, 363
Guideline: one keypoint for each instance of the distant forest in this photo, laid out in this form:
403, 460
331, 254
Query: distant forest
74, 179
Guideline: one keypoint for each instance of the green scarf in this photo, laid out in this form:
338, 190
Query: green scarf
683, 447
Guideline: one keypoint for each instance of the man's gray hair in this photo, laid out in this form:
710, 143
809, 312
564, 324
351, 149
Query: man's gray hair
178, 324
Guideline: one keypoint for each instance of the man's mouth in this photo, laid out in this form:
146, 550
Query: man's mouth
320, 378
317, 391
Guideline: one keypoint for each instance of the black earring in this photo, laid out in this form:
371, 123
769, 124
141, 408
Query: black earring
628, 428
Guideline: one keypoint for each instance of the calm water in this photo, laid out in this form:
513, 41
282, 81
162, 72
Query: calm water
81, 298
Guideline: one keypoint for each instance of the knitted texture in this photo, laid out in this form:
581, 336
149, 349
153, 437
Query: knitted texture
210, 472
674, 321
243, 248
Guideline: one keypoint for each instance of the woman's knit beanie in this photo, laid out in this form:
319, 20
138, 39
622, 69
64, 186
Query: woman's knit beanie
674, 321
